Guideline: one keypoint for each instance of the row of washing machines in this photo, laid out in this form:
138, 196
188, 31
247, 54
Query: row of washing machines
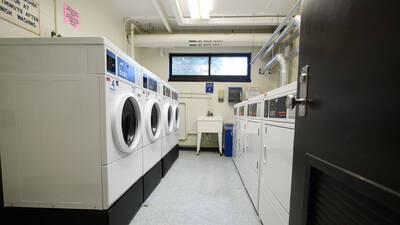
263, 152
86, 133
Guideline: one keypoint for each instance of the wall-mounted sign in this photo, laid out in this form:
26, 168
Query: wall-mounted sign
209, 87
72, 17
23, 13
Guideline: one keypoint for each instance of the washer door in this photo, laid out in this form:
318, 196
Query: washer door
169, 118
126, 123
153, 123
176, 118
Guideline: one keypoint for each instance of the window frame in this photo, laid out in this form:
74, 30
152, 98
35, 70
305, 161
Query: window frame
209, 77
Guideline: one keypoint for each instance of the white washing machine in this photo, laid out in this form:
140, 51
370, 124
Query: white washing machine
277, 156
175, 106
167, 119
71, 125
152, 131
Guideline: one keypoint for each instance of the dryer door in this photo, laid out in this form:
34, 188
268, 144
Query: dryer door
126, 123
153, 123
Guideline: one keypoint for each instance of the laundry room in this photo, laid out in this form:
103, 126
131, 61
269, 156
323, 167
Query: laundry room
199, 112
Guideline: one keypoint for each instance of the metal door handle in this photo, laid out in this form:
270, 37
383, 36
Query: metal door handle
292, 101
265, 154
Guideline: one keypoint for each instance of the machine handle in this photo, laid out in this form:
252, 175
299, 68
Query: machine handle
265, 154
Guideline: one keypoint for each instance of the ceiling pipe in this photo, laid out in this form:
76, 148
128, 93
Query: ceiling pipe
271, 39
160, 11
293, 24
227, 21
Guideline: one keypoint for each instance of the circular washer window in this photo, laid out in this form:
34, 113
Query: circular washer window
169, 116
129, 122
154, 119
177, 115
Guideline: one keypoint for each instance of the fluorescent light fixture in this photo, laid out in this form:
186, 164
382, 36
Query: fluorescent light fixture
199, 9
194, 9
205, 8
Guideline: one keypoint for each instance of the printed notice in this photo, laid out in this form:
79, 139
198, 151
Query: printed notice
72, 17
23, 13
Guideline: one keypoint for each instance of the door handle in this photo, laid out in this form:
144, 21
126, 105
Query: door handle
292, 101
265, 155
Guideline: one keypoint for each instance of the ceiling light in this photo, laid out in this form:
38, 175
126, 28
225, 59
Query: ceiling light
199, 9
194, 9
205, 8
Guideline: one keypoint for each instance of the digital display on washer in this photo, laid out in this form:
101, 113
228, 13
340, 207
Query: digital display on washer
110, 62
277, 107
125, 70
152, 84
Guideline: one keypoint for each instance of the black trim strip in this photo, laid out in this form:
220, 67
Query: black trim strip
151, 179
120, 213
169, 159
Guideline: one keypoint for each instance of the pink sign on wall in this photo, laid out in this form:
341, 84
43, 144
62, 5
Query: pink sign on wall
72, 17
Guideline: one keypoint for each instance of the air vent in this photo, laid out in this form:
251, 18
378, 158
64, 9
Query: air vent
334, 203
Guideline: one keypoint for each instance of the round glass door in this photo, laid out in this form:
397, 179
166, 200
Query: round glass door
154, 119
129, 122
169, 117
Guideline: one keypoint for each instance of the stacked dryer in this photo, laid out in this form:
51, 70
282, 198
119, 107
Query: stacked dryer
263, 153
152, 130
277, 156
70, 131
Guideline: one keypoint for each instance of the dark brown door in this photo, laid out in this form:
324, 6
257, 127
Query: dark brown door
347, 147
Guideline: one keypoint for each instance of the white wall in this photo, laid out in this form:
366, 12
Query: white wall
200, 103
98, 18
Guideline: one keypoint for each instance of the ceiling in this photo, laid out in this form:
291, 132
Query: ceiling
225, 15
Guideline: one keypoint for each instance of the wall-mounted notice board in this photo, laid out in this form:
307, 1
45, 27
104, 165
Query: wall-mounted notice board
23, 13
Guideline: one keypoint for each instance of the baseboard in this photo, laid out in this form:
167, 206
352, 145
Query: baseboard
151, 179
202, 149
169, 159
120, 213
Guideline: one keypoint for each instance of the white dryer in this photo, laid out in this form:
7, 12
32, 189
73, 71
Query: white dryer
152, 131
277, 156
71, 130
252, 147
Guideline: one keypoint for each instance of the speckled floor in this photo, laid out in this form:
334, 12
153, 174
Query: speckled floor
199, 190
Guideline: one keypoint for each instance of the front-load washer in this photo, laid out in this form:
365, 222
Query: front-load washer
175, 106
168, 118
152, 130
71, 129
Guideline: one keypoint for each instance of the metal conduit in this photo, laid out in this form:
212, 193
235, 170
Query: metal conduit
285, 21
